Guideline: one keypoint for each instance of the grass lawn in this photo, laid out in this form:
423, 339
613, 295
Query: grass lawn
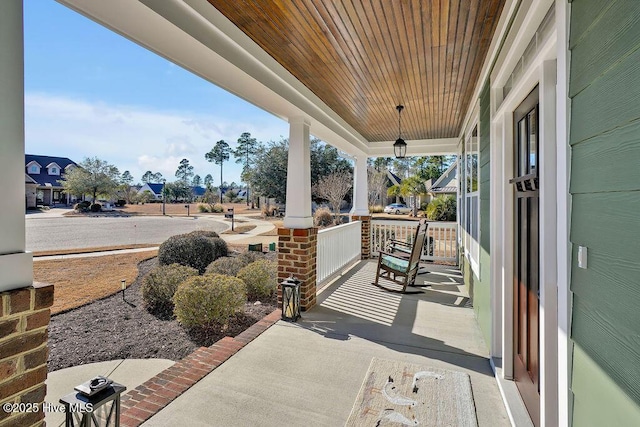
89, 250
78, 281
240, 229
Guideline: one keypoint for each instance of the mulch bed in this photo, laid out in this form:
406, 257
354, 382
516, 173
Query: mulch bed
111, 328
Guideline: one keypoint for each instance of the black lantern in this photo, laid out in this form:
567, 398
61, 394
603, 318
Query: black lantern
290, 299
400, 147
94, 403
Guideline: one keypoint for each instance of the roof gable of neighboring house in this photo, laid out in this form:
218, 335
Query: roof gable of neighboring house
198, 191
448, 181
156, 189
395, 179
44, 177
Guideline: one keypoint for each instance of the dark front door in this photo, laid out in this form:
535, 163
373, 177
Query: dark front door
526, 256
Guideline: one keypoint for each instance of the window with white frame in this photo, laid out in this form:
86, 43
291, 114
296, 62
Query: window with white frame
472, 199
34, 169
53, 169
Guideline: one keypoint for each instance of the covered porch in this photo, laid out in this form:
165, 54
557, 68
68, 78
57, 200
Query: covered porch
310, 372
337, 70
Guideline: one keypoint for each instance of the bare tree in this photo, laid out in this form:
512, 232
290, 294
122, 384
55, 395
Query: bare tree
377, 181
333, 188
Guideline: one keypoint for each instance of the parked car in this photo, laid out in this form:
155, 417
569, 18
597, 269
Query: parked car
397, 208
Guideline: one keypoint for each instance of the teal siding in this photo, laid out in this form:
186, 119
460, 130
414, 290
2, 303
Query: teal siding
481, 289
605, 179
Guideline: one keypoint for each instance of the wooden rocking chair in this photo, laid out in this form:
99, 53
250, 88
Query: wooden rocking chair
402, 270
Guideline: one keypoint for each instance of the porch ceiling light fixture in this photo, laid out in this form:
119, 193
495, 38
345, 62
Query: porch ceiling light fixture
400, 147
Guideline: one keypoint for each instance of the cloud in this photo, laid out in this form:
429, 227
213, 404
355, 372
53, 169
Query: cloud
137, 138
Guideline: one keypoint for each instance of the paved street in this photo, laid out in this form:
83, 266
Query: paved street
44, 233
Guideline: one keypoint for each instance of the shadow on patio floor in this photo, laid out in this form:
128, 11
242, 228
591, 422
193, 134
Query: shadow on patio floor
309, 373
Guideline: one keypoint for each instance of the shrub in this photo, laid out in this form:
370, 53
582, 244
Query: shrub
203, 208
250, 256
82, 206
96, 207
161, 283
261, 279
323, 217
232, 265
204, 233
376, 209
204, 300
226, 265
220, 248
442, 208
193, 251
217, 208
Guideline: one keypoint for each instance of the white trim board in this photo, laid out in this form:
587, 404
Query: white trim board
543, 70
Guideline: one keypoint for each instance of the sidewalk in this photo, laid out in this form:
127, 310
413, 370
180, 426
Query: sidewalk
51, 213
132, 373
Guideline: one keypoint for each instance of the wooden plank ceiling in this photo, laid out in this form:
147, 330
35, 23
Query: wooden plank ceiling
364, 57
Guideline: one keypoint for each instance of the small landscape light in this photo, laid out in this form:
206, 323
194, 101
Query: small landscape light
123, 283
291, 299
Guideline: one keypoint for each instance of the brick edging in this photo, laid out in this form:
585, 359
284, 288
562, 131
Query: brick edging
143, 402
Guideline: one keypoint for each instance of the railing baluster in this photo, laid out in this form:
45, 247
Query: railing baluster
443, 235
337, 247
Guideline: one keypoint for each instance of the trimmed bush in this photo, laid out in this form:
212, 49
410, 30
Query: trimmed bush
193, 251
376, 209
160, 285
226, 265
323, 217
261, 279
250, 256
204, 233
442, 208
220, 248
217, 208
96, 207
203, 208
210, 299
82, 206
232, 265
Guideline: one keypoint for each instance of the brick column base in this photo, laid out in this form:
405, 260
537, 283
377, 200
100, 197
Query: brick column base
24, 318
297, 252
365, 237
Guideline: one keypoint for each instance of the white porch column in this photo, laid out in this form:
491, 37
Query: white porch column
298, 209
360, 187
16, 266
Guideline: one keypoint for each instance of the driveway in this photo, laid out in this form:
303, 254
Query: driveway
47, 233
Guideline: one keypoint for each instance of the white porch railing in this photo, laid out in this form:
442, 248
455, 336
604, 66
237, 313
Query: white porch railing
441, 243
337, 247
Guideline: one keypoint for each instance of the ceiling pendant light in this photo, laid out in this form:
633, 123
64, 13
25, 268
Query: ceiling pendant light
400, 147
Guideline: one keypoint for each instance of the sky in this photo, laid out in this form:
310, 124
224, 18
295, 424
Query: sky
90, 92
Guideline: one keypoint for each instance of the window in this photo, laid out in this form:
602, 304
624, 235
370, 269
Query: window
34, 169
54, 171
472, 200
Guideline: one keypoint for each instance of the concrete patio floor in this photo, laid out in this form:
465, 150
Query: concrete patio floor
309, 373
